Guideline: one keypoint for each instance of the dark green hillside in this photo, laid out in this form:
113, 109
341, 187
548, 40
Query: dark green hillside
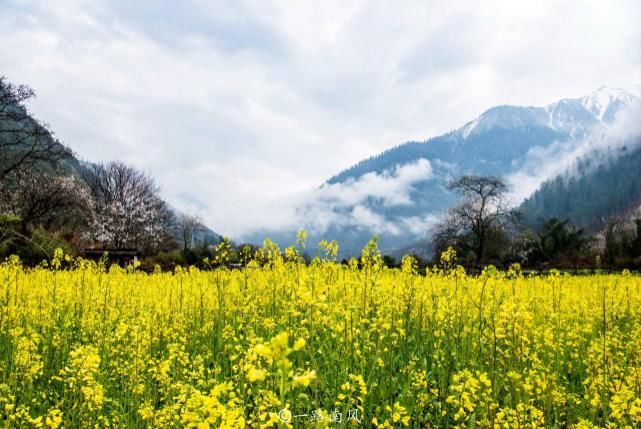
603, 186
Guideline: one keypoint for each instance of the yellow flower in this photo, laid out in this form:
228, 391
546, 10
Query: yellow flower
299, 344
255, 374
263, 351
54, 418
305, 379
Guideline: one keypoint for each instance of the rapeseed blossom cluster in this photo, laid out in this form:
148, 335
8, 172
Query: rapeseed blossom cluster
281, 343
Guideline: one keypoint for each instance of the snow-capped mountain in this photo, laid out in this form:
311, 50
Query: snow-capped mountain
606, 102
576, 117
400, 193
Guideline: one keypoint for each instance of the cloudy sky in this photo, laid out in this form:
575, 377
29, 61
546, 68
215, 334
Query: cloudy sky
238, 107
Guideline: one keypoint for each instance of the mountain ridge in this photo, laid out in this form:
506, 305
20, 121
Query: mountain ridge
550, 116
502, 141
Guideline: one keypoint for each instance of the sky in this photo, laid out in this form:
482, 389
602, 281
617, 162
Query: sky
238, 108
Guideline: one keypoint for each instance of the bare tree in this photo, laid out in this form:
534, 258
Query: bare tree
24, 142
188, 227
129, 209
614, 236
480, 215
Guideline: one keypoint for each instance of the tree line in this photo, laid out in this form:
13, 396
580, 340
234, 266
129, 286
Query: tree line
483, 229
49, 199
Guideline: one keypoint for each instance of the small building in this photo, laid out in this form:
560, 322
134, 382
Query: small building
122, 257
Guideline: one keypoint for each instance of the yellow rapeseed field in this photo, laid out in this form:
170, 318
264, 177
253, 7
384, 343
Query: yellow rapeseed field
281, 343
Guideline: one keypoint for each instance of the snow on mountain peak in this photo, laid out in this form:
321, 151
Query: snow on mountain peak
469, 128
507, 117
604, 98
575, 116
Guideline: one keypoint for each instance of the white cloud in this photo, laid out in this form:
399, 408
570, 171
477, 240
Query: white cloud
347, 204
390, 187
364, 217
420, 226
235, 106
562, 158
627, 125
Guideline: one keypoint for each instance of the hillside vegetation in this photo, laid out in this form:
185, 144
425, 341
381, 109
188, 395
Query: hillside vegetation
49, 199
601, 187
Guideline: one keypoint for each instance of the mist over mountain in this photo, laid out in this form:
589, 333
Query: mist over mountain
599, 187
401, 193
603, 179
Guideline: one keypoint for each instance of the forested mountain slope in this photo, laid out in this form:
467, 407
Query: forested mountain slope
602, 186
